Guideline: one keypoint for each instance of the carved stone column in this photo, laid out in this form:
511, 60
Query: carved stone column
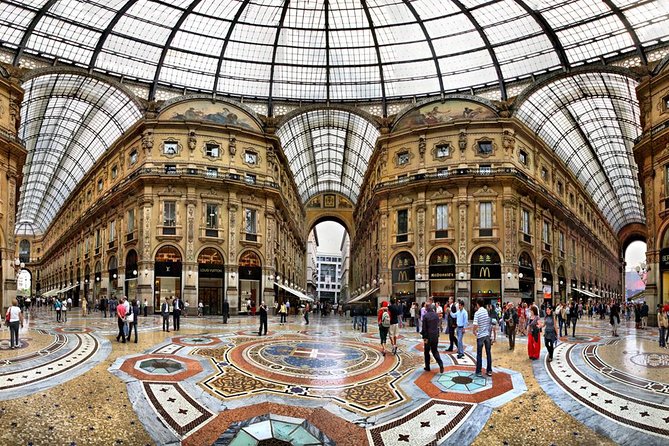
511, 292
232, 292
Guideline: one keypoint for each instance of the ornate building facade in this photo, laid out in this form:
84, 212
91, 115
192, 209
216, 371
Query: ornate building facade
194, 200
461, 199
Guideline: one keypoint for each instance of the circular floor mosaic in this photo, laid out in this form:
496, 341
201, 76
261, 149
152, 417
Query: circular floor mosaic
464, 381
310, 361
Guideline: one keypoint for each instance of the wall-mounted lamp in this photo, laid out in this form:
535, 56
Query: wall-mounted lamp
134, 272
461, 275
97, 279
278, 278
509, 275
146, 272
419, 276
520, 275
114, 276
232, 275
544, 280
561, 282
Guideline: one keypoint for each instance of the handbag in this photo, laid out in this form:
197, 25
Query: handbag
130, 317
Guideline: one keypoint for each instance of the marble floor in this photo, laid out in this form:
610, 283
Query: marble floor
321, 384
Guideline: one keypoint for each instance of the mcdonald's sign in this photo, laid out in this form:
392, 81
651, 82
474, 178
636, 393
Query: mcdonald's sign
486, 271
403, 275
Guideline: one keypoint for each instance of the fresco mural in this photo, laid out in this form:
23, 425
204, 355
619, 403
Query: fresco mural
217, 112
437, 113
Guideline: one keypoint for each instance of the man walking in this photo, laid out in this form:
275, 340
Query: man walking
644, 315
572, 318
511, 321
176, 312
226, 311
263, 319
482, 333
165, 312
394, 311
121, 311
307, 309
451, 324
461, 318
430, 335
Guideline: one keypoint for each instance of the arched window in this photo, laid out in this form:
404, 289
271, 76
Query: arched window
24, 251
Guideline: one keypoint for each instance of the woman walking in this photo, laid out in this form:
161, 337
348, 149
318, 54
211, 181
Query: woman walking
132, 319
534, 329
14, 318
663, 324
550, 335
383, 318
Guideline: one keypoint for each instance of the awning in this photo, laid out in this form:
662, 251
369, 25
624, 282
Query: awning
68, 288
587, 293
363, 295
50, 293
294, 292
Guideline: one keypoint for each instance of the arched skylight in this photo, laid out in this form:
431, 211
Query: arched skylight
67, 121
591, 121
328, 151
336, 50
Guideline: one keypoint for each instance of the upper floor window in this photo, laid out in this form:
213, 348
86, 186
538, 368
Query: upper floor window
133, 157
114, 172
170, 213
485, 169
547, 233
402, 225
443, 150
561, 243
544, 174
212, 172
100, 185
98, 238
251, 224
171, 169
212, 150
666, 103
522, 157
443, 172
442, 221
403, 158
525, 222
212, 216
170, 147
250, 178
485, 147
485, 215
131, 220
560, 188
571, 199
112, 230
251, 158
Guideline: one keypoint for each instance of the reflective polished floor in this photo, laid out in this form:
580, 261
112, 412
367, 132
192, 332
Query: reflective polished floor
321, 384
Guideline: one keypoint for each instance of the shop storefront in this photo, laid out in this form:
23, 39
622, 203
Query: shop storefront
97, 284
562, 286
131, 274
112, 270
442, 275
167, 275
486, 274
526, 282
546, 283
211, 280
250, 277
404, 277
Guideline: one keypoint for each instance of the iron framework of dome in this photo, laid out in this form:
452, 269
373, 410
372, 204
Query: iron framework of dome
332, 50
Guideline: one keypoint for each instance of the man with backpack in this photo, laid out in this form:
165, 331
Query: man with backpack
383, 318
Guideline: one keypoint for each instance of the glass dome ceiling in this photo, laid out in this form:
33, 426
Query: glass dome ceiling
336, 50
591, 121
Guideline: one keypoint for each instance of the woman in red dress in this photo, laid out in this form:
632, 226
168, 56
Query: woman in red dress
533, 334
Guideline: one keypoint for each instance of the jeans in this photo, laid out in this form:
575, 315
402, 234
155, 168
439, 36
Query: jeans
363, 324
132, 326
663, 335
511, 335
306, 318
14, 334
121, 326
283, 318
166, 322
480, 344
550, 346
561, 323
461, 345
573, 330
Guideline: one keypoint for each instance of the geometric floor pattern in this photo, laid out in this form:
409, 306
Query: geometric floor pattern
327, 384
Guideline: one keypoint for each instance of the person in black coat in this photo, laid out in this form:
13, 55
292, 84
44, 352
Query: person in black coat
452, 324
430, 335
226, 311
263, 319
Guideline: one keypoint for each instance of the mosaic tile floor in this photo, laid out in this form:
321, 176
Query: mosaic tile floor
322, 384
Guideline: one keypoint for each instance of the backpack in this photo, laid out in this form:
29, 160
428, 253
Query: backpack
385, 319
